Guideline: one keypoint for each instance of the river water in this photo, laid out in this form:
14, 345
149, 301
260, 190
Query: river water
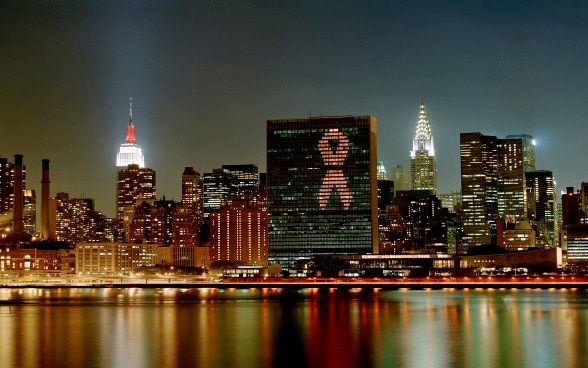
112, 327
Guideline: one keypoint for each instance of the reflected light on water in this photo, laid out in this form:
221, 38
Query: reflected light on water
308, 328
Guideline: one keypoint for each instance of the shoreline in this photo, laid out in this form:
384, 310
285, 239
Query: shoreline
498, 282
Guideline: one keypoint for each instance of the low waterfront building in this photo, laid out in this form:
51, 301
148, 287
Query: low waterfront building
110, 259
49, 258
575, 240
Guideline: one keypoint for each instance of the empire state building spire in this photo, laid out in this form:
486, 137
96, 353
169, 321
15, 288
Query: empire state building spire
130, 152
423, 163
131, 127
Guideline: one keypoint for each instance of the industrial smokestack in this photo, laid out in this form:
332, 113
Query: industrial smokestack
45, 200
18, 204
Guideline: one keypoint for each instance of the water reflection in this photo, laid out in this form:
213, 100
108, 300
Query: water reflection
308, 328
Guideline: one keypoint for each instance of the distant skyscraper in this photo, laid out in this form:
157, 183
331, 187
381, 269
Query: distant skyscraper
400, 177
479, 187
6, 184
192, 192
218, 185
30, 212
423, 164
584, 200
528, 150
134, 185
130, 152
511, 180
541, 200
382, 175
492, 184
322, 187
247, 177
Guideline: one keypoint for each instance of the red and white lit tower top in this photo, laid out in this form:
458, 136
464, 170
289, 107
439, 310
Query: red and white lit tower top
130, 152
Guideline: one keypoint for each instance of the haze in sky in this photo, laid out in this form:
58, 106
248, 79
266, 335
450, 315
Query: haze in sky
205, 76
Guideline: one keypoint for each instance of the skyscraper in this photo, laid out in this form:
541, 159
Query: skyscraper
247, 177
492, 184
528, 150
382, 175
192, 192
479, 187
322, 187
133, 184
130, 152
218, 185
423, 164
542, 202
511, 180
6, 184
400, 178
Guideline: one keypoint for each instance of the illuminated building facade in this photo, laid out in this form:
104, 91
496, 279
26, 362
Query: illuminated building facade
152, 222
479, 187
6, 185
70, 218
528, 150
30, 212
247, 177
218, 185
522, 237
382, 175
322, 187
575, 240
511, 180
110, 259
541, 203
57, 260
423, 164
192, 192
134, 185
185, 227
238, 233
130, 152
492, 185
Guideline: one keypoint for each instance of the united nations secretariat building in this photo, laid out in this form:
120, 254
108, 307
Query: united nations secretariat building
322, 187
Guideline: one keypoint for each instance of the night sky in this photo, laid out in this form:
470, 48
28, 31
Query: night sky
205, 76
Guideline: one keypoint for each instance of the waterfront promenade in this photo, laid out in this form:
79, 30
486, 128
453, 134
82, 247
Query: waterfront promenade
425, 283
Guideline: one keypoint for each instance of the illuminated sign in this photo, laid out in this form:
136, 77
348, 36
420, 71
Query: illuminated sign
334, 147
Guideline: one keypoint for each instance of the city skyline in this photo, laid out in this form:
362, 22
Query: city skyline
205, 77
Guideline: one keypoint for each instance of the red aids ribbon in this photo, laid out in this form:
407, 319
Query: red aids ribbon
334, 177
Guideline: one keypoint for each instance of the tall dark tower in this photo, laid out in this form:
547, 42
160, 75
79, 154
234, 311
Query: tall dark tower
45, 200
322, 187
18, 208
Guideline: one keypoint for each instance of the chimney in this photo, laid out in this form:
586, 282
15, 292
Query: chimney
18, 204
45, 200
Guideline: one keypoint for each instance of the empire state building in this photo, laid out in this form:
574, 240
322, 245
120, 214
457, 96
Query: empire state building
130, 152
423, 164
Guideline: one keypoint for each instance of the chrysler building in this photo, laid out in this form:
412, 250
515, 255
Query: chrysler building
423, 165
